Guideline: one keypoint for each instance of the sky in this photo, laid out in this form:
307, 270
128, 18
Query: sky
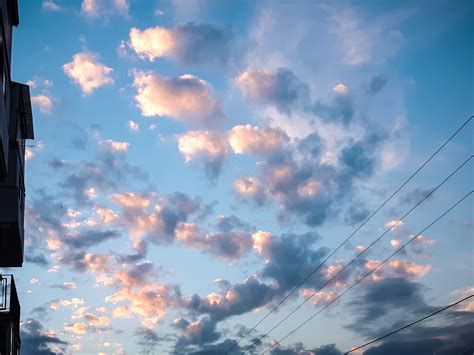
193, 161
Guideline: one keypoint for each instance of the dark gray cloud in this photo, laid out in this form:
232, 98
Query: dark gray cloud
103, 174
453, 336
213, 349
340, 109
35, 343
387, 302
250, 294
197, 333
148, 339
56, 164
377, 83
290, 258
203, 44
86, 239
281, 88
415, 195
356, 214
37, 259
226, 224
299, 349
309, 189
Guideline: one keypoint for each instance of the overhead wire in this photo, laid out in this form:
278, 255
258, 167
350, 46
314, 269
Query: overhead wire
371, 271
392, 226
408, 325
306, 278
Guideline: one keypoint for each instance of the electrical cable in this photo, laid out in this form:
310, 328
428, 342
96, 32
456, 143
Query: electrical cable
392, 226
295, 288
408, 325
371, 271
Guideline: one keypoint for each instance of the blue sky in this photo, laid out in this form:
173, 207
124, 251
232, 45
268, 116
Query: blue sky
195, 159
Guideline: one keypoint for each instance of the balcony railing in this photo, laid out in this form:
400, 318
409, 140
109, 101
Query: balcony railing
9, 304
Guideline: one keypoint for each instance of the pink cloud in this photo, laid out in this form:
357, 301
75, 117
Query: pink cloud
87, 72
184, 98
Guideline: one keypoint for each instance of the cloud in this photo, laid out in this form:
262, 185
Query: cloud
208, 146
87, 72
36, 340
89, 238
240, 299
85, 179
281, 88
197, 333
453, 336
50, 5
340, 109
408, 269
341, 89
213, 147
148, 339
250, 139
105, 8
250, 187
65, 286
230, 245
377, 83
37, 259
289, 258
44, 102
114, 146
133, 126
139, 294
385, 302
188, 44
361, 42
299, 349
154, 218
185, 98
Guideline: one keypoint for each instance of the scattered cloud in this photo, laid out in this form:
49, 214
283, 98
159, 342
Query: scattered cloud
281, 88
190, 43
44, 102
105, 8
185, 98
87, 72
50, 5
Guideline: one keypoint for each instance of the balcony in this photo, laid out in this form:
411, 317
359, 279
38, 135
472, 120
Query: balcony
12, 190
9, 316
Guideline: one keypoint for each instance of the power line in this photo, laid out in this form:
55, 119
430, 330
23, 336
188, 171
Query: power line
295, 288
362, 252
408, 325
372, 270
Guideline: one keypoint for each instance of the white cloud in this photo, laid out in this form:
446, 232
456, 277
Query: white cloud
86, 71
44, 103
133, 126
205, 144
153, 43
250, 139
184, 98
111, 145
50, 5
341, 89
105, 8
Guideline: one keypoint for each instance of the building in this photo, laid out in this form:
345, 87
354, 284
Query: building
16, 126
9, 316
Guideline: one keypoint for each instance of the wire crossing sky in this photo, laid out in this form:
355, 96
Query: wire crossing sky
391, 226
375, 268
202, 168
341, 270
409, 325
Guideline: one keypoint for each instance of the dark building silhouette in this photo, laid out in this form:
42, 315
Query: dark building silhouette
16, 126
